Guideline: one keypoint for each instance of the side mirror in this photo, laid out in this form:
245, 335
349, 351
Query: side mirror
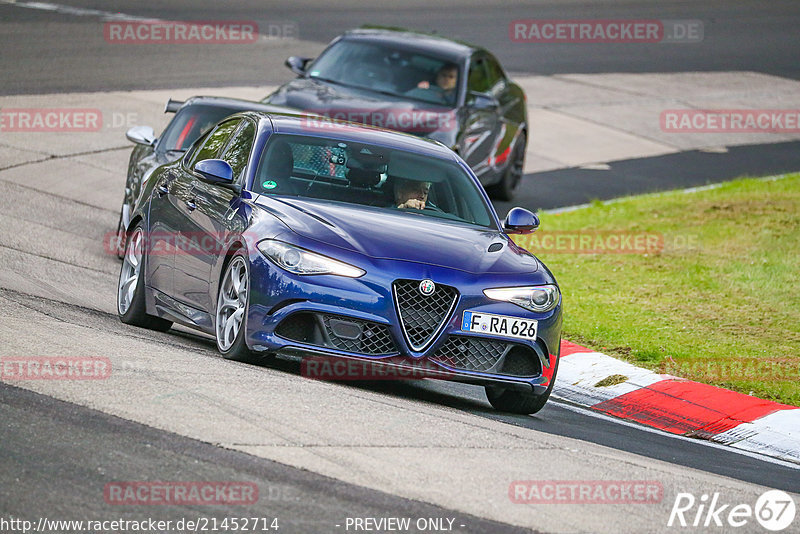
520, 221
297, 64
141, 135
216, 171
482, 101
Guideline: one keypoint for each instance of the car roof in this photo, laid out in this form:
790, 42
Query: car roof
311, 125
406, 39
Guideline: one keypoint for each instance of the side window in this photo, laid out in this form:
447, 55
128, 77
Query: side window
494, 72
478, 80
238, 150
214, 142
190, 153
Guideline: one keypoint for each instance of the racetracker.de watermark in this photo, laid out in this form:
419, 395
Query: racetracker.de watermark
196, 31
585, 492
323, 368
555, 242
741, 369
730, 121
402, 119
176, 243
606, 31
54, 368
50, 120
180, 493
592, 242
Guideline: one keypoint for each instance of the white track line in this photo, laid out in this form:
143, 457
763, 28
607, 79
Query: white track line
78, 11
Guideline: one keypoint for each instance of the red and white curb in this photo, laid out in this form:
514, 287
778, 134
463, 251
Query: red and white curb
676, 405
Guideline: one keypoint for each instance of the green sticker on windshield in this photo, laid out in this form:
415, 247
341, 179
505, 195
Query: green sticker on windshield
269, 184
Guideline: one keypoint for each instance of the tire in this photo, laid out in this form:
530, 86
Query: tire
508, 184
513, 401
130, 288
230, 319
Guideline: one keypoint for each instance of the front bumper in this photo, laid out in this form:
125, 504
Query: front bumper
357, 319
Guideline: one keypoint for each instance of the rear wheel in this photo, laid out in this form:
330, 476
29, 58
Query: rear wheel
508, 184
130, 289
231, 316
513, 401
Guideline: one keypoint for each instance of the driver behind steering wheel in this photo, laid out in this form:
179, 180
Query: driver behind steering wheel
411, 194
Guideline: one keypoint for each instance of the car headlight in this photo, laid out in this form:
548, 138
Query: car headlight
299, 261
533, 298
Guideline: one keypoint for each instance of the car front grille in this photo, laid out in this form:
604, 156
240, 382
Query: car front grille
421, 316
338, 332
470, 353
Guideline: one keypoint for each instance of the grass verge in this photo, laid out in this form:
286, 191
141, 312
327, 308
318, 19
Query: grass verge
703, 285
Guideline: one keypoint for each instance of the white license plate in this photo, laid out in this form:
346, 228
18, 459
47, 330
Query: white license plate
499, 325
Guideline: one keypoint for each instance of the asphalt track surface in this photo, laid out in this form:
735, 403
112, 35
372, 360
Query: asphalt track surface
691, 168
91, 449
48, 52
56, 456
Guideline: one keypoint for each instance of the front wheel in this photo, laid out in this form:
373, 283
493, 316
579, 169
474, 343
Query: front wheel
130, 289
232, 304
513, 401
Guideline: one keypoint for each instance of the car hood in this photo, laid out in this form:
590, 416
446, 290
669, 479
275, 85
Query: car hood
365, 106
395, 235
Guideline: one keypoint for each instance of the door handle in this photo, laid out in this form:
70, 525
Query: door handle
163, 186
191, 205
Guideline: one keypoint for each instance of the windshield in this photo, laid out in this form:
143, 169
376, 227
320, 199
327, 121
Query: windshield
369, 175
189, 124
406, 74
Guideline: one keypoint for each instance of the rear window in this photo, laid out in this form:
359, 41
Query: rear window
189, 124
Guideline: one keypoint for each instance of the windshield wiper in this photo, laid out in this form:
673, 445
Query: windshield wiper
355, 86
329, 80
384, 92
337, 82
388, 93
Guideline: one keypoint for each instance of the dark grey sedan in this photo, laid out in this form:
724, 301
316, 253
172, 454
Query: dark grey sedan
421, 84
193, 117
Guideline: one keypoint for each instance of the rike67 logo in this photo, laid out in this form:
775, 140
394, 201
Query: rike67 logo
774, 510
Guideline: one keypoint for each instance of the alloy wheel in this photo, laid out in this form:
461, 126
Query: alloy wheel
232, 303
131, 268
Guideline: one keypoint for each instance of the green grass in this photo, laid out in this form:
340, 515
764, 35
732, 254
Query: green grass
719, 303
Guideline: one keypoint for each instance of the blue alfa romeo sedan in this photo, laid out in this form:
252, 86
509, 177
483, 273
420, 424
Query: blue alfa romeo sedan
300, 236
